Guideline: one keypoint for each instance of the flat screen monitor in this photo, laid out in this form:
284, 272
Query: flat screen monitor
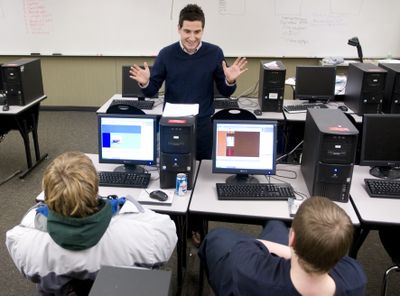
380, 144
127, 139
315, 83
243, 148
130, 87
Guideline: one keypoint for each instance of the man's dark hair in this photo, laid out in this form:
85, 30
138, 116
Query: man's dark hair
191, 13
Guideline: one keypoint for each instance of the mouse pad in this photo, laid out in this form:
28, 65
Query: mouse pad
144, 198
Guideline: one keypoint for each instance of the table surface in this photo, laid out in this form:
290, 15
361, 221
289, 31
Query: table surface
302, 116
179, 205
15, 109
250, 104
372, 210
205, 201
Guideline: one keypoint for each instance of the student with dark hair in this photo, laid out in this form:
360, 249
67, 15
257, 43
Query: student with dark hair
65, 240
189, 68
310, 259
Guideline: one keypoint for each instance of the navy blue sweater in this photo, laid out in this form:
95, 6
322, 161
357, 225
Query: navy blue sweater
189, 78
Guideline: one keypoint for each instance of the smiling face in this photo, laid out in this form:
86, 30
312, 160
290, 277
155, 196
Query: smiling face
191, 34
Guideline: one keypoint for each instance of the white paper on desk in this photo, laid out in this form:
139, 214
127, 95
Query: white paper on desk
144, 197
290, 81
271, 65
177, 110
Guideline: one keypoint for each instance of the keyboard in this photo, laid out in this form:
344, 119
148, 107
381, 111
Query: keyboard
254, 191
146, 105
302, 108
225, 104
124, 179
383, 188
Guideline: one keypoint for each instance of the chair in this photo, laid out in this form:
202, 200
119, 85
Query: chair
391, 242
234, 114
124, 109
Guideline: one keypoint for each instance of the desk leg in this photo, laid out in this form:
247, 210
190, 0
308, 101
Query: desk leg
24, 130
360, 234
181, 229
201, 269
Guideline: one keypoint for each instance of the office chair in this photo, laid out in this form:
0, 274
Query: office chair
391, 242
124, 109
81, 287
234, 114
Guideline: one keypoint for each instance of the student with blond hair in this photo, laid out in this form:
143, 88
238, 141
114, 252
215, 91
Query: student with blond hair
65, 240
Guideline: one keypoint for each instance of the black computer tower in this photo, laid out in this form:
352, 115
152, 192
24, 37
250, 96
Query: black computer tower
177, 150
329, 149
22, 81
365, 88
391, 99
271, 86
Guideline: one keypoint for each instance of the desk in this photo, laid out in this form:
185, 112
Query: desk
122, 281
157, 108
250, 104
25, 120
302, 116
205, 202
372, 212
178, 210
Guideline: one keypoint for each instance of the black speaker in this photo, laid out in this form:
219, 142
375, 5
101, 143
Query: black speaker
22, 81
330, 142
271, 86
391, 99
365, 88
177, 150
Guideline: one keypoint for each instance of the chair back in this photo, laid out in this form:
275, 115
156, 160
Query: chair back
234, 114
124, 109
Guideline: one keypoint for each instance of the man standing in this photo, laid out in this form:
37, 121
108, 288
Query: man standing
189, 68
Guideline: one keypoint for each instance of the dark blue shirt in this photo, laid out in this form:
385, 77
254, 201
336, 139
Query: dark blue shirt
250, 269
189, 78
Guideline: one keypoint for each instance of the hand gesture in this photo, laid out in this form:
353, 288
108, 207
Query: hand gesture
139, 74
235, 70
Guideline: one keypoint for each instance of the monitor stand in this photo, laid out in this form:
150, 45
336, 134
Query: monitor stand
241, 178
385, 172
130, 168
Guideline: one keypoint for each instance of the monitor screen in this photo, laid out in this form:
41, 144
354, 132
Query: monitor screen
244, 147
315, 83
127, 139
380, 145
130, 87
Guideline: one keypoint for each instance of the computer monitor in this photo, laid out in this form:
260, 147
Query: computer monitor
380, 145
243, 148
130, 87
127, 139
315, 83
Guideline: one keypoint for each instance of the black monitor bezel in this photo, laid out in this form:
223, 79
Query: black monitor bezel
238, 171
132, 162
376, 162
324, 97
130, 87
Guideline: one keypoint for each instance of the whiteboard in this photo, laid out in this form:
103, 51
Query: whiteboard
252, 28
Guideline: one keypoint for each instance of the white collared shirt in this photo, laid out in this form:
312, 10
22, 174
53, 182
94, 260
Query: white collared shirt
190, 53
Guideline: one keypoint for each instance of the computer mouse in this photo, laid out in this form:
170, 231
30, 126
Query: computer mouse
258, 112
343, 108
158, 195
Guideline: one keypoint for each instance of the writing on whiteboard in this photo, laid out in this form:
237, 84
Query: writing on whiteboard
38, 19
